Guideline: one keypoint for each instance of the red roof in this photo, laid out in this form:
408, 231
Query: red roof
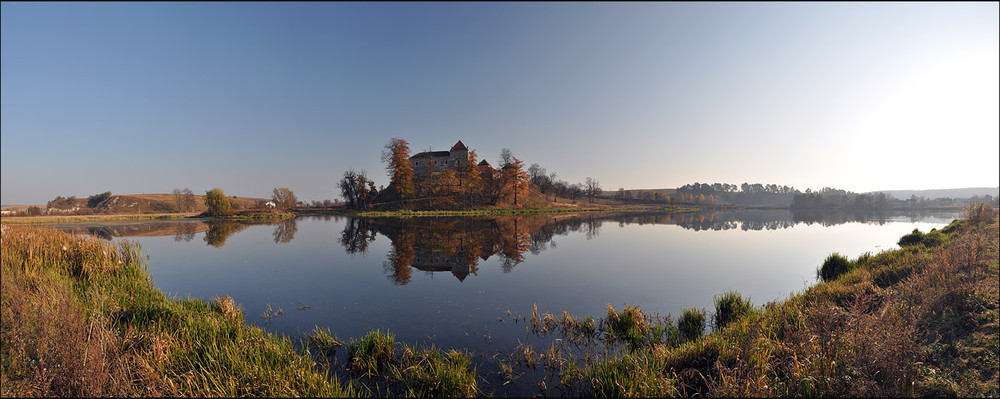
484, 163
459, 146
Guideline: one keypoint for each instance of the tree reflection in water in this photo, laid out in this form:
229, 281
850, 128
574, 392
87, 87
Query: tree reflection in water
220, 231
356, 236
458, 244
185, 232
285, 230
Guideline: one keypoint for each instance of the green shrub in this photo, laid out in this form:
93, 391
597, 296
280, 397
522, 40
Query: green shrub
691, 324
219, 204
934, 238
729, 307
834, 265
914, 238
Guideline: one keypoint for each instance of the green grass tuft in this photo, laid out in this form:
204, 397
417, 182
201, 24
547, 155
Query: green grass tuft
691, 325
729, 307
833, 266
372, 353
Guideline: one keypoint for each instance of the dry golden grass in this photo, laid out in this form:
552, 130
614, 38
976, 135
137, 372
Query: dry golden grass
80, 317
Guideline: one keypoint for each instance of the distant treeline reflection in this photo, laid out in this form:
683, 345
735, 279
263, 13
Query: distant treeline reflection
458, 244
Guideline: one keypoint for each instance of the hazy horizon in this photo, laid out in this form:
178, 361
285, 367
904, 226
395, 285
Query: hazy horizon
139, 98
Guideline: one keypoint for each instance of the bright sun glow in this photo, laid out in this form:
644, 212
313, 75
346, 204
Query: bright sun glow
944, 111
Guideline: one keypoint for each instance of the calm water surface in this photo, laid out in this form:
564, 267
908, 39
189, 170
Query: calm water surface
452, 281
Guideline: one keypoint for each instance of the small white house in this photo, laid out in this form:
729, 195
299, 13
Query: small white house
270, 204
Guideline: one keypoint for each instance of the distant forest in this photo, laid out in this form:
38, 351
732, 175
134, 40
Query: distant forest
827, 198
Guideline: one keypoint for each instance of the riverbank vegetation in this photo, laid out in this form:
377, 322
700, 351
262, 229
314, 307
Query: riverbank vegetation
80, 317
921, 320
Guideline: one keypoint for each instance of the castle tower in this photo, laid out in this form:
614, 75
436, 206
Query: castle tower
459, 155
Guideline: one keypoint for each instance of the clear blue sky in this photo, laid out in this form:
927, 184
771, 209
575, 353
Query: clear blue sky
148, 97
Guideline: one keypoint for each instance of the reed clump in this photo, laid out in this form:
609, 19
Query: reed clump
729, 307
691, 325
441, 374
324, 341
630, 326
372, 353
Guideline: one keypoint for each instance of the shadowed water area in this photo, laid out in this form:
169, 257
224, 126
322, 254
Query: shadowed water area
473, 282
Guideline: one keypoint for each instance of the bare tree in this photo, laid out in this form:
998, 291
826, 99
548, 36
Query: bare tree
184, 199
357, 189
179, 199
537, 172
593, 188
284, 198
506, 158
189, 199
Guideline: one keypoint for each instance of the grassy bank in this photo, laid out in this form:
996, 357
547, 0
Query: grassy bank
921, 320
38, 220
251, 216
80, 317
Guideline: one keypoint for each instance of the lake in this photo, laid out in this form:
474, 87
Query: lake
468, 282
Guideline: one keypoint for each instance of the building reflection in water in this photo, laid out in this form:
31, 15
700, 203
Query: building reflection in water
457, 245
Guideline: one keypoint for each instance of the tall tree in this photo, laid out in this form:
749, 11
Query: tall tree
493, 187
189, 199
179, 199
470, 179
218, 203
516, 177
396, 155
593, 188
284, 198
356, 188
506, 158
537, 173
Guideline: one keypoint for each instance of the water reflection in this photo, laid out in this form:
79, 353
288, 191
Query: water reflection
181, 230
456, 245
284, 231
772, 219
185, 232
220, 230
